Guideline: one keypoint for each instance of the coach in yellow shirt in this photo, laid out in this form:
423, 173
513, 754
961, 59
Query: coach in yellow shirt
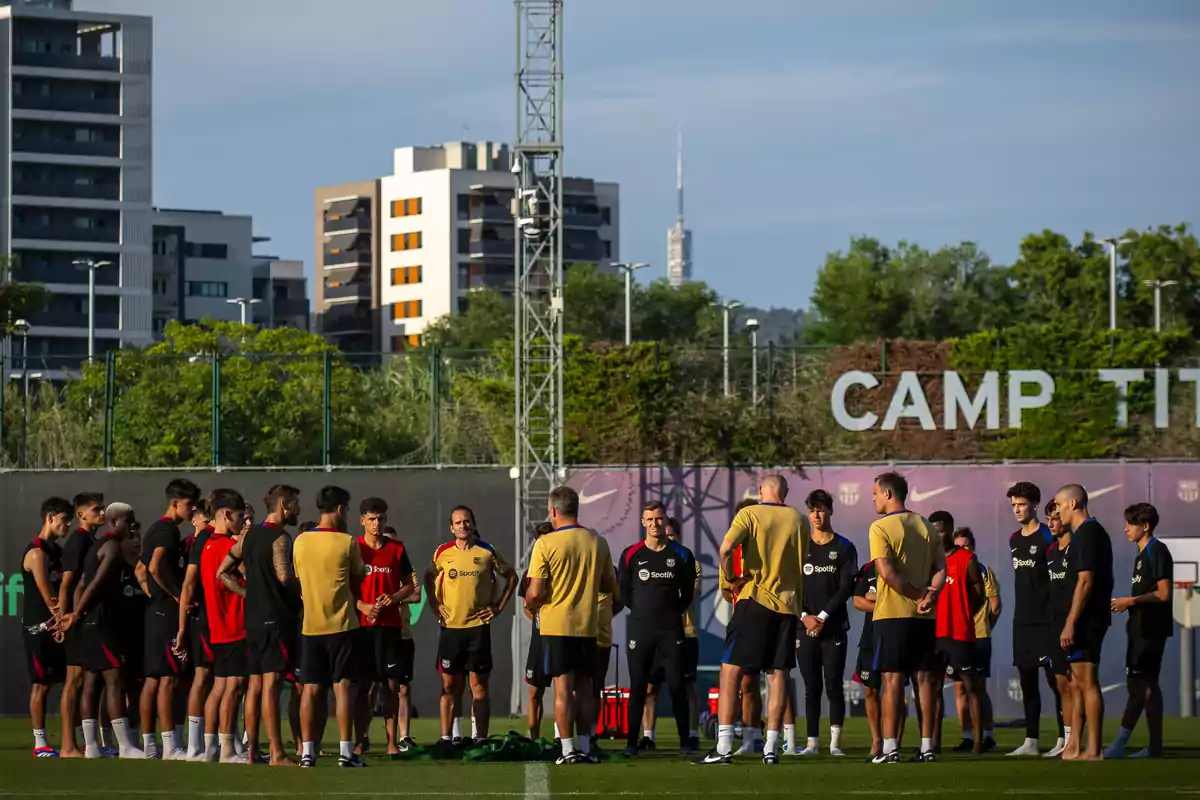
328, 564
911, 566
761, 635
462, 579
569, 569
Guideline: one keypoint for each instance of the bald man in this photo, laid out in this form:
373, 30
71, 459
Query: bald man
761, 636
1090, 569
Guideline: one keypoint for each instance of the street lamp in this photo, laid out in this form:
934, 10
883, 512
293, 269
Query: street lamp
1158, 286
629, 270
1113, 243
21, 327
91, 266
726, 307
245, 303
752, 326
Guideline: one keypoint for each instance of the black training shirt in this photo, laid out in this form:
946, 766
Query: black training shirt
866, 585
1061, 589
1091, 551
1031, 577
829, 573
269, 603
1151, 620
165, 534
35, 611
657, 587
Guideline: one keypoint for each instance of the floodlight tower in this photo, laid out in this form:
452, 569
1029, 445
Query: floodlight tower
538, 295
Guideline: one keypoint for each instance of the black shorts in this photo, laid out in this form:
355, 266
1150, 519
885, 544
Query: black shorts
865, 673
535, 671
100, 644
959, 657
162, 625
229, 660
273, 651
1034, 645
45, 658
760, 639
73, 645
390, 655
981, 657
1089, 641
200, 650
905, 645
1144, 657
330, 658
691, 658
566, 655
465, 650
600, 673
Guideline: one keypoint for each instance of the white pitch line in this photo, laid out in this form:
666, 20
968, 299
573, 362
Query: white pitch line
537, 781
823, 792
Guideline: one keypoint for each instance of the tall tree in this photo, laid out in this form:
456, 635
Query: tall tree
1163, 254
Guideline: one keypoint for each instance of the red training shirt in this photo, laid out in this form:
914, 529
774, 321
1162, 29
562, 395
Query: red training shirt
954, 618
388, 570
226, 610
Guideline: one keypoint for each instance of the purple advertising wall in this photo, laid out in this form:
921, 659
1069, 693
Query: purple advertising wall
703, 498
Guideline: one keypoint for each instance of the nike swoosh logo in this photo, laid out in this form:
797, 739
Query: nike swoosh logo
643, 563
917, 497
584, 499
1105, 490
391, 666
1110, 687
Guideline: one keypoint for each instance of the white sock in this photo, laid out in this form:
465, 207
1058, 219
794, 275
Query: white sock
308, 749
557, 734
39, 739
583, 744
648, 734
345, 749
568, 745
124, 734
789, 738
445, 738
771, 743
969, 736
195, 735
889, 746
210, 742
835, 737
1123, 735
812, 742
149, 745
474, 728
1067, 733
90, 742
456, 728
926, 744
724, 739
168, 740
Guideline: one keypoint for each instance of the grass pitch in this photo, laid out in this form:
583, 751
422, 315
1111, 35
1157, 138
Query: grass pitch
659, 774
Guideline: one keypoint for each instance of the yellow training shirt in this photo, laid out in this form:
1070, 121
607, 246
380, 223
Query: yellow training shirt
325, 560
907, 540
991, 588
774, 540
465, 578
577, 564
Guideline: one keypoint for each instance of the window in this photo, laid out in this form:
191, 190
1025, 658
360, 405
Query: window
160, 247
160, 285
406, 208
207, 289
219, 251
464, 206
402, 276
406, 310
606, 216
406, 241
464, 240
160, 324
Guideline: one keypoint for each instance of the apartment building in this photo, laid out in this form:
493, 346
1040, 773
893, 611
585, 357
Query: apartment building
398, 253
281, 287
76, 139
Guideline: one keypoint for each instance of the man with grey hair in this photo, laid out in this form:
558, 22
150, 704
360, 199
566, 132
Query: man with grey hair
761, 635
1090, 569
569, 568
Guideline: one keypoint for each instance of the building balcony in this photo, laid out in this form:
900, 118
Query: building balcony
67, 233
33, 272
69, 105
347, 257
66, 61
346, 323
358, 291
289, 307
78, 191
492, 248
583, 220
53, 319
490, 213
67, 147
346, 224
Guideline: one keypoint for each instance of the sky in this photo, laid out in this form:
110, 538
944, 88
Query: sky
806, 122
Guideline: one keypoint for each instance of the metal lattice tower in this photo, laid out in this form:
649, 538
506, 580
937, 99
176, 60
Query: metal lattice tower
538, 411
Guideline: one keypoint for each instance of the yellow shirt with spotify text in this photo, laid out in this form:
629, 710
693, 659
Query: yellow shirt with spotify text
465, 579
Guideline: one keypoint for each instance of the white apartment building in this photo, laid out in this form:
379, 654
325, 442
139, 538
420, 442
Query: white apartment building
438, 227
76, 141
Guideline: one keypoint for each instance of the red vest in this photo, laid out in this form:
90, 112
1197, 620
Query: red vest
954, 618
